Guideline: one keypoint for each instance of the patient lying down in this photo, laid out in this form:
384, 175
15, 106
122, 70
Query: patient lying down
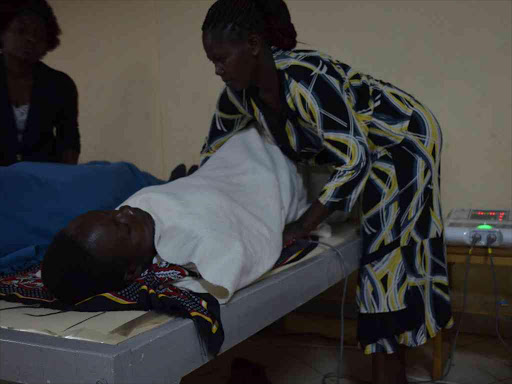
226, 220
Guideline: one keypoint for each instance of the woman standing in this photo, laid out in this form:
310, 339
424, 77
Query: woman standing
38, 105
384, 147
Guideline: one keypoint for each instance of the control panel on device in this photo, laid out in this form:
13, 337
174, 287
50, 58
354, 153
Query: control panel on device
479, 227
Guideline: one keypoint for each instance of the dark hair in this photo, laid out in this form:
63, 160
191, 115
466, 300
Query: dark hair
10, 9
72, 273
269, 18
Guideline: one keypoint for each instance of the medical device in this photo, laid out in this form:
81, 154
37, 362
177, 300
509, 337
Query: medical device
463, 226
472, 227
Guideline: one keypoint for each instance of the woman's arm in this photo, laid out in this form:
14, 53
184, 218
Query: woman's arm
301, 228
70, 156
229, 118
66, 124
344, 146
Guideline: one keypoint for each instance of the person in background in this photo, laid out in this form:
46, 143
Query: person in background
38, 105
384, 146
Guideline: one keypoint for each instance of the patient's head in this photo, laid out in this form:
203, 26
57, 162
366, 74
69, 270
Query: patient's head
97, 252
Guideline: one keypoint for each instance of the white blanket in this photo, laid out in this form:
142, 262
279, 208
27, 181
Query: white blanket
227, 219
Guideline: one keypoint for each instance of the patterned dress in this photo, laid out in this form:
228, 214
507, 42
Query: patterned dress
384, 148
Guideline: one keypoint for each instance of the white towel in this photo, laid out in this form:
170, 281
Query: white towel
227, 219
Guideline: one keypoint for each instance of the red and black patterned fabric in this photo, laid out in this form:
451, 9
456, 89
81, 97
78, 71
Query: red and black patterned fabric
154, 290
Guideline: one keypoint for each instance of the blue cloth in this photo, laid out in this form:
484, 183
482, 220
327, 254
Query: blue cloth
39, 199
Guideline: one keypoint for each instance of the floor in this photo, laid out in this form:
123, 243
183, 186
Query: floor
305, 359
293, 358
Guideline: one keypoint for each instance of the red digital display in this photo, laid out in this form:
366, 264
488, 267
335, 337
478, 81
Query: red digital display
489, 215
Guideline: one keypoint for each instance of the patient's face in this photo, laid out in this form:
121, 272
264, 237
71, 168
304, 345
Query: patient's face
125, 233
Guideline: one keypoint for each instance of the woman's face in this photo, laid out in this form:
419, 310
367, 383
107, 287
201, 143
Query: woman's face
234, 60
26, 38
126, 233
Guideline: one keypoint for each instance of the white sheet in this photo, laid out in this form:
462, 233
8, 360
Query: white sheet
227, 218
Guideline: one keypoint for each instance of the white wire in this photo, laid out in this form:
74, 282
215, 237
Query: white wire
338, 374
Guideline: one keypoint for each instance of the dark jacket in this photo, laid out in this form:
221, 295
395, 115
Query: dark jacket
52, 122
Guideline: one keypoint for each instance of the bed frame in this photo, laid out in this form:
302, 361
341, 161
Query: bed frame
170, 351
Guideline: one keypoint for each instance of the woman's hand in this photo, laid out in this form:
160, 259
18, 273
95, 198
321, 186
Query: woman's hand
301, 228
70, 156
292, 232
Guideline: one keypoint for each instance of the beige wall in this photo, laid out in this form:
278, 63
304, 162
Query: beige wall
147, 91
